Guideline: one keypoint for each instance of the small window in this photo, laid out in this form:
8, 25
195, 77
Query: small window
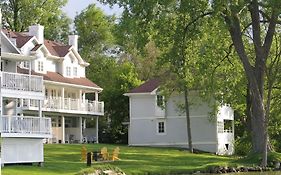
160, 101
75, 71
68, 71
46, 93
53, 93
161, 127
26, 64
2, 65
40, 66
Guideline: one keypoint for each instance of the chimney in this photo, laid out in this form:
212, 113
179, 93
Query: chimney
37, 31
73, 41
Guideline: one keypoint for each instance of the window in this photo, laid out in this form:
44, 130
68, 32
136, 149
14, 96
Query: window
220, 127
161, 127
53, 93
225, 126
160, 101
46, 93
2, 65
40, 66
68, 71
74, 71
26, 64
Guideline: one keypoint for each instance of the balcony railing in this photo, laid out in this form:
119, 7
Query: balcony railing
16, 81
67, 104
26, 125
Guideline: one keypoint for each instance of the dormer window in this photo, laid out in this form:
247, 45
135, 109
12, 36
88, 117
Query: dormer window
40, 66
26, 64
75, 71
160, 101
68, 71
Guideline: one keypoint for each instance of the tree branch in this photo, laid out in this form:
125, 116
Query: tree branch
270, 32
254, 10
195, 20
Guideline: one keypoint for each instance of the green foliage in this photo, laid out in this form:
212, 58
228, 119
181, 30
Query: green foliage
116, 79
19, 14
242, 145
95, 31
197, 41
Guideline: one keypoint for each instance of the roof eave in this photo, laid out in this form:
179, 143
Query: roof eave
74, 85
138, 93
17, 57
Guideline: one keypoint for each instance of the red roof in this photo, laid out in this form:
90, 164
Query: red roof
20, 37
55, 48
56, 77
147, 87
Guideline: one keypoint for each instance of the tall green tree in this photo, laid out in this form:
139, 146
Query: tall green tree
95, 31
236, 15
251, 25
115, 79
19, 14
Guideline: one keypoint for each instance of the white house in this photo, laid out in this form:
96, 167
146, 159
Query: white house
43, 95
22, 136
156, 123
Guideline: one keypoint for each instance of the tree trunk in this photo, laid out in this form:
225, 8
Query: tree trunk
248, 110
186, 104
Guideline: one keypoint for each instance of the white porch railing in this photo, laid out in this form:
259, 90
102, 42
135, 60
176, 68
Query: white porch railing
16, 81
67, 104
26, 125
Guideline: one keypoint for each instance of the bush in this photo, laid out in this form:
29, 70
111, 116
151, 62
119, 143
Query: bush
242, 146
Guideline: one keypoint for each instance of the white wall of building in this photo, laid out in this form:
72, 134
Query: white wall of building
73, 63
21, 150
143, 129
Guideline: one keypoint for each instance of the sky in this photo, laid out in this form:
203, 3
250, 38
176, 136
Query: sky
76, 6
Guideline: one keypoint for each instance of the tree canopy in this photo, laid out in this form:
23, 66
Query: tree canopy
19, 14
247, 27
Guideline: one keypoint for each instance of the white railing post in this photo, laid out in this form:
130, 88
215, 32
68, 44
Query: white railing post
23, 82
25, 125
69, 104
9, 124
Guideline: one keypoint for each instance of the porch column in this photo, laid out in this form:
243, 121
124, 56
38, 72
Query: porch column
84, 124
80, 130
40, 108
96, 96
80, 100
29, 68
97, 129
1, 102
62, 97
63, 129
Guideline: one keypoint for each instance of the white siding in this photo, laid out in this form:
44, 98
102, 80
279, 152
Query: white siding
142, 106
21, 150
143, 123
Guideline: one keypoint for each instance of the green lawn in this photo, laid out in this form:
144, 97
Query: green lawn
65, 160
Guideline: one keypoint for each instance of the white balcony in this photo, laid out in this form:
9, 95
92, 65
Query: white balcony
25, 126
22, 85
67, 105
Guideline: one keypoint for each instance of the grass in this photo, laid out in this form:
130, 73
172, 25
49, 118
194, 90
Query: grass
65, 160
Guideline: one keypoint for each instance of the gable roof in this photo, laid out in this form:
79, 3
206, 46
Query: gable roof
55, 49
56, 77
4, 38
21, 38
147, 87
